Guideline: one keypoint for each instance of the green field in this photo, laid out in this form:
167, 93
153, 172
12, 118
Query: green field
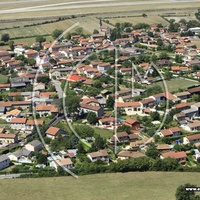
31, 40
104, 133
133, 186
177, 83
3, 79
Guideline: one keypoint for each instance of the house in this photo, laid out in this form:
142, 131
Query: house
173, 131
35, 145
46, 110
129, 155
107, 121
91, 105
192, 139
23, 156
148, 102
120, 137
192, 112
130, 108
164, 147
163, 96
54, 73
179, 156
100, 155
19, 82
182, 95
31, 54
193, 127
7, 138
5, 86
194, 90
30, 124
4, 162
18, 123
103, 67
125, 71
63, 162
52, 132
12, 114
134, 124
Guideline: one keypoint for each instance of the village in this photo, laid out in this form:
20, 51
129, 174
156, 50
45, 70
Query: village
119, 109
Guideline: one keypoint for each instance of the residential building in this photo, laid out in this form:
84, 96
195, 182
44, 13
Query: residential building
100, 155
4, 162
179, 156
34, 145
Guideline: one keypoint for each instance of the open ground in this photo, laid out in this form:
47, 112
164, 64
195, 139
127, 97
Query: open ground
118, 186
21, 13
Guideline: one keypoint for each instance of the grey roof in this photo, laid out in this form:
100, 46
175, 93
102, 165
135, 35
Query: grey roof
3, 158
2, 108
20, 80
191, 110
35, 143
22, 152
18, 84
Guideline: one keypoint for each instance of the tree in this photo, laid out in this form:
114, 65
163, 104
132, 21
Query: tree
40, 39
95, 31
168, 75
31, 62
80, 148
5, 37
42, 159
11, 45
124, 128
152, 152
155, 115
56, 33
183, 194
92, 118
110, 102
97, 84
72, 103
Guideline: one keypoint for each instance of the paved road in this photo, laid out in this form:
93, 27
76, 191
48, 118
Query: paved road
95, 4
10, 176
57, 84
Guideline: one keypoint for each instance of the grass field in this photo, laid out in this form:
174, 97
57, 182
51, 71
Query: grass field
104, 133
127, 186
3, 79
32, 40
175, 84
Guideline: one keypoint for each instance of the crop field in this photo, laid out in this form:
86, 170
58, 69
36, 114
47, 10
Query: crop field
118, 186
134, 20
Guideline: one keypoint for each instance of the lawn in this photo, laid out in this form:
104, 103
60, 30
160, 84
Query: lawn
104, 133
3, 79
31, 40
119, 186
175, 84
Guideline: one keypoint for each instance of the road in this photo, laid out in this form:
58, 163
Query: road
89, 4
9, 176
57, 84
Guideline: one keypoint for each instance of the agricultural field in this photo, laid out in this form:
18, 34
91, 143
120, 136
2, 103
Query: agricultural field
177, 83
118, 186
150, 19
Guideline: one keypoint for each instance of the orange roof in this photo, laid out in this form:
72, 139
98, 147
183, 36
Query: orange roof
31, 51
46, 94
128, 104
7, 135
18, 120
52, 131
33, 122
175, 155
4, 85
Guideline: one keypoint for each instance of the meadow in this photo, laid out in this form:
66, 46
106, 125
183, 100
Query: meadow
118, 186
